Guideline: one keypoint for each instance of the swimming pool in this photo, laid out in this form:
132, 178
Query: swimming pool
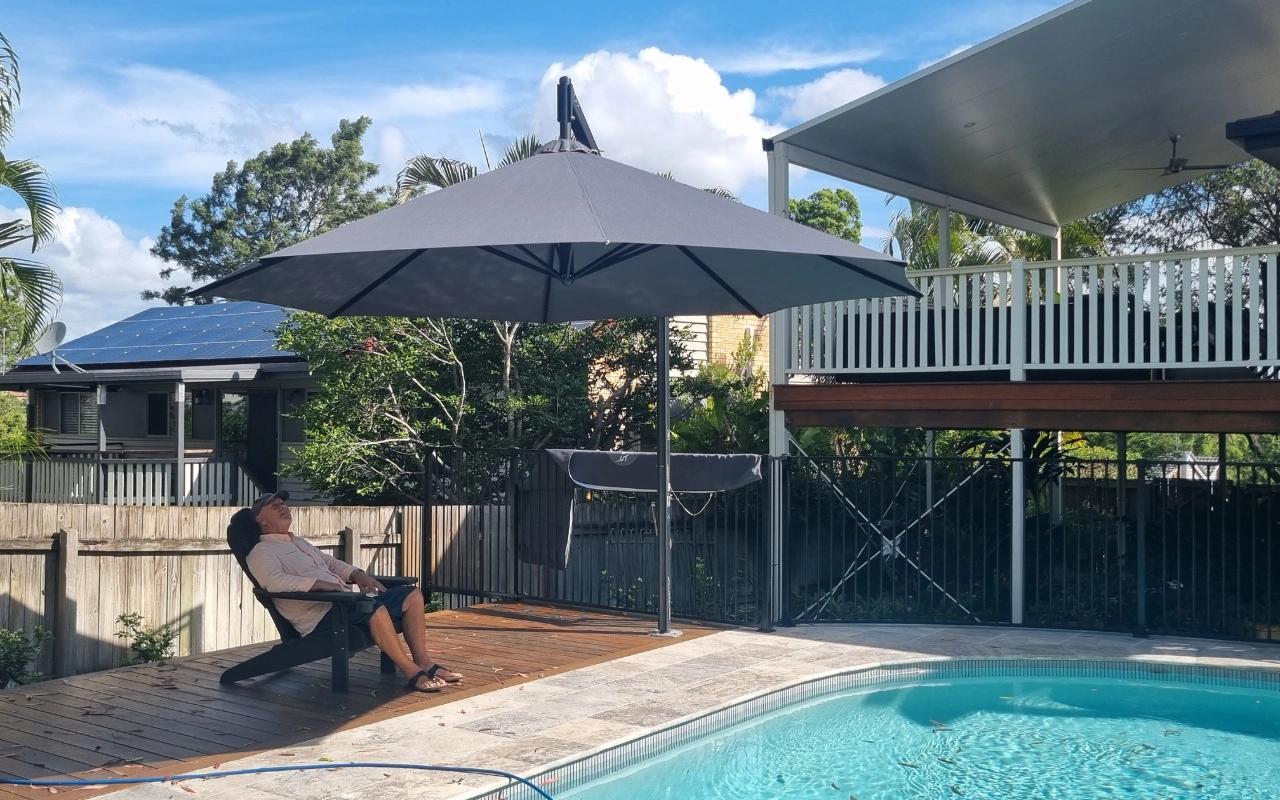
1004, 729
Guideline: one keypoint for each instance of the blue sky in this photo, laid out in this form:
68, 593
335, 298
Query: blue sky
130, 105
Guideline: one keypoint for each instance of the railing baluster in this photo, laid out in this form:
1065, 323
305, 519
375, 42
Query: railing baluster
873, 334
1220, 310
1272, 318
1184, 313
1037, 304
1252, 347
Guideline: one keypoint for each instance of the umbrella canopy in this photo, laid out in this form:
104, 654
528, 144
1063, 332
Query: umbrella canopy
565, 235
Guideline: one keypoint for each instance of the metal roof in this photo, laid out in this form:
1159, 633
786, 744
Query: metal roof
176, 335
1035, 127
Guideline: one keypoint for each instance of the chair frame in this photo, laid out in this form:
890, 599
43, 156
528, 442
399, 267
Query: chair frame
337, 642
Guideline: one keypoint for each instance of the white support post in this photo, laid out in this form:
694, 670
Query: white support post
944, 235
1055, 488
1017, 299
1017, 506
180, 425
781, 341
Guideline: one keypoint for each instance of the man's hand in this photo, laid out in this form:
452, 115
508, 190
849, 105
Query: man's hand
366, 582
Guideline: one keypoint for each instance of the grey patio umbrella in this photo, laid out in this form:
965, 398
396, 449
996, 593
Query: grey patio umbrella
569, 235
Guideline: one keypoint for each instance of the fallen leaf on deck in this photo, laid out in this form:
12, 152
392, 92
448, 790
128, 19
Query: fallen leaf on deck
441, 724
188, 789
325, 759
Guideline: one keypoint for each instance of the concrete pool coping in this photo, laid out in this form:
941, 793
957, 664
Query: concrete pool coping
571, 728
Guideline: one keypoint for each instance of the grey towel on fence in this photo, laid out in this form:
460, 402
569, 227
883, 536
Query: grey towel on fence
545, 499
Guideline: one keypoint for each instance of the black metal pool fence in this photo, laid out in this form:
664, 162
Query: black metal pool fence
1141, 546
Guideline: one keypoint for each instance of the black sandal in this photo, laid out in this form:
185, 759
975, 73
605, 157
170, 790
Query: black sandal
429, 674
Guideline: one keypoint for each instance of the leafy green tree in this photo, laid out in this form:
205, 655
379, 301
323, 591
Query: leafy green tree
833, 211
283, 195
392, 388
422, 173
33, 287
726, 409
1235, 207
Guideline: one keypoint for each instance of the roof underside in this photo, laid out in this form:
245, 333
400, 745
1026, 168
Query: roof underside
174, 335
1035, 127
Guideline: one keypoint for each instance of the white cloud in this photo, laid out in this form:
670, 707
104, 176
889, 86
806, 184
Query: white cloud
783, 58
831, 91
148, 126
103, 271
664, 112
953, 52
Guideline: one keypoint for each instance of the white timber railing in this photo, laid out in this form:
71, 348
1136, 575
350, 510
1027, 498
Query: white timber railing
1194, 310
128, 482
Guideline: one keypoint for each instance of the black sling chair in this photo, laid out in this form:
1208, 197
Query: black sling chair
336, 642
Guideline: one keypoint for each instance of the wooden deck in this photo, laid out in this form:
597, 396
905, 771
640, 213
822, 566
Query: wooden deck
164, 719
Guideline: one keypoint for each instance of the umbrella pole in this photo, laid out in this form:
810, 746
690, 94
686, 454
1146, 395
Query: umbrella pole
663, 511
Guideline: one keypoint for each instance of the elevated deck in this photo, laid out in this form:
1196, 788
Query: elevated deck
175, 717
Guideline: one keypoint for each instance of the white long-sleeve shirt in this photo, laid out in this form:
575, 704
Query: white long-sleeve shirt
282, 562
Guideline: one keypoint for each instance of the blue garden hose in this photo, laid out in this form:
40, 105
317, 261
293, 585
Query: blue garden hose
258, 770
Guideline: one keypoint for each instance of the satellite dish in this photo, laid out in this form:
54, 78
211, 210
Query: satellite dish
51, 338
47, 345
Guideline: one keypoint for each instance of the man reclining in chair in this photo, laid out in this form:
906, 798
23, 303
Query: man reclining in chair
282, 562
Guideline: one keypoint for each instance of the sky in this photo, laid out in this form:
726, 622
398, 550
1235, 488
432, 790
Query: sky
131, 105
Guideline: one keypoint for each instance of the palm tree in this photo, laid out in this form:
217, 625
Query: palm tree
977, 242
422, 172
34, 287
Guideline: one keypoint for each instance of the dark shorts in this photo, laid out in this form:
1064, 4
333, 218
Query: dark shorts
392, 600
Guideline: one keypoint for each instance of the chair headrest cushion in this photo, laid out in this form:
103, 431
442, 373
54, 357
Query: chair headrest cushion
243, 533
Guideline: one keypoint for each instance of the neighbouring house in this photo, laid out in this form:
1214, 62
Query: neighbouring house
186, 405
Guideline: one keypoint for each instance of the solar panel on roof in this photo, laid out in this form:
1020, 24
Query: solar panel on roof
238, 331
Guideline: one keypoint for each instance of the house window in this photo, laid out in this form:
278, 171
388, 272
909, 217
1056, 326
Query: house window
292, 425
158, 414
79, 412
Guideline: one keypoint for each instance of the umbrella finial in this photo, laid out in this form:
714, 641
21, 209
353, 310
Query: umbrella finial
564, 105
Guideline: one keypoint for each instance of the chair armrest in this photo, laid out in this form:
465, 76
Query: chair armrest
391, 580
319, 597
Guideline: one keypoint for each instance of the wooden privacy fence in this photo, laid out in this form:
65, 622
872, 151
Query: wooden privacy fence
74, 568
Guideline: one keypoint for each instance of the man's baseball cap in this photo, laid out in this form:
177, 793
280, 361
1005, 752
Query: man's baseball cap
267, 498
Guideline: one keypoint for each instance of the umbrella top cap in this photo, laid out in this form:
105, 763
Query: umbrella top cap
566, 146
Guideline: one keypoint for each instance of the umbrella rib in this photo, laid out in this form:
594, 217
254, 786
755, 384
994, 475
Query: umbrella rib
723, 285
623, 252
365, 291
541, 270
872, 276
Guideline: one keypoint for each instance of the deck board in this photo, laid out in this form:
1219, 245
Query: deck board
162, 719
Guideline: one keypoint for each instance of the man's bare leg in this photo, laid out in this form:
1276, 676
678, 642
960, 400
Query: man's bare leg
383, 632
414, 625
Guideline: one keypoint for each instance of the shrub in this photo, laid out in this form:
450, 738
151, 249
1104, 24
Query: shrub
145, 644
17, 652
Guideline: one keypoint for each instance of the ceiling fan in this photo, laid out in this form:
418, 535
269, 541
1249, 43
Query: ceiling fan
1176, 164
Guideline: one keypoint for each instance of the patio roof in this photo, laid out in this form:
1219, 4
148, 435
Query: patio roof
1035, 127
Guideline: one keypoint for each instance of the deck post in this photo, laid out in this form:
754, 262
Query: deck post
180, 425
101, 391
350, 546
1017, 511
1055, 488
64, 615
781, 340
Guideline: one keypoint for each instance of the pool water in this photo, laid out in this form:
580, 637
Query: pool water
1006, 738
